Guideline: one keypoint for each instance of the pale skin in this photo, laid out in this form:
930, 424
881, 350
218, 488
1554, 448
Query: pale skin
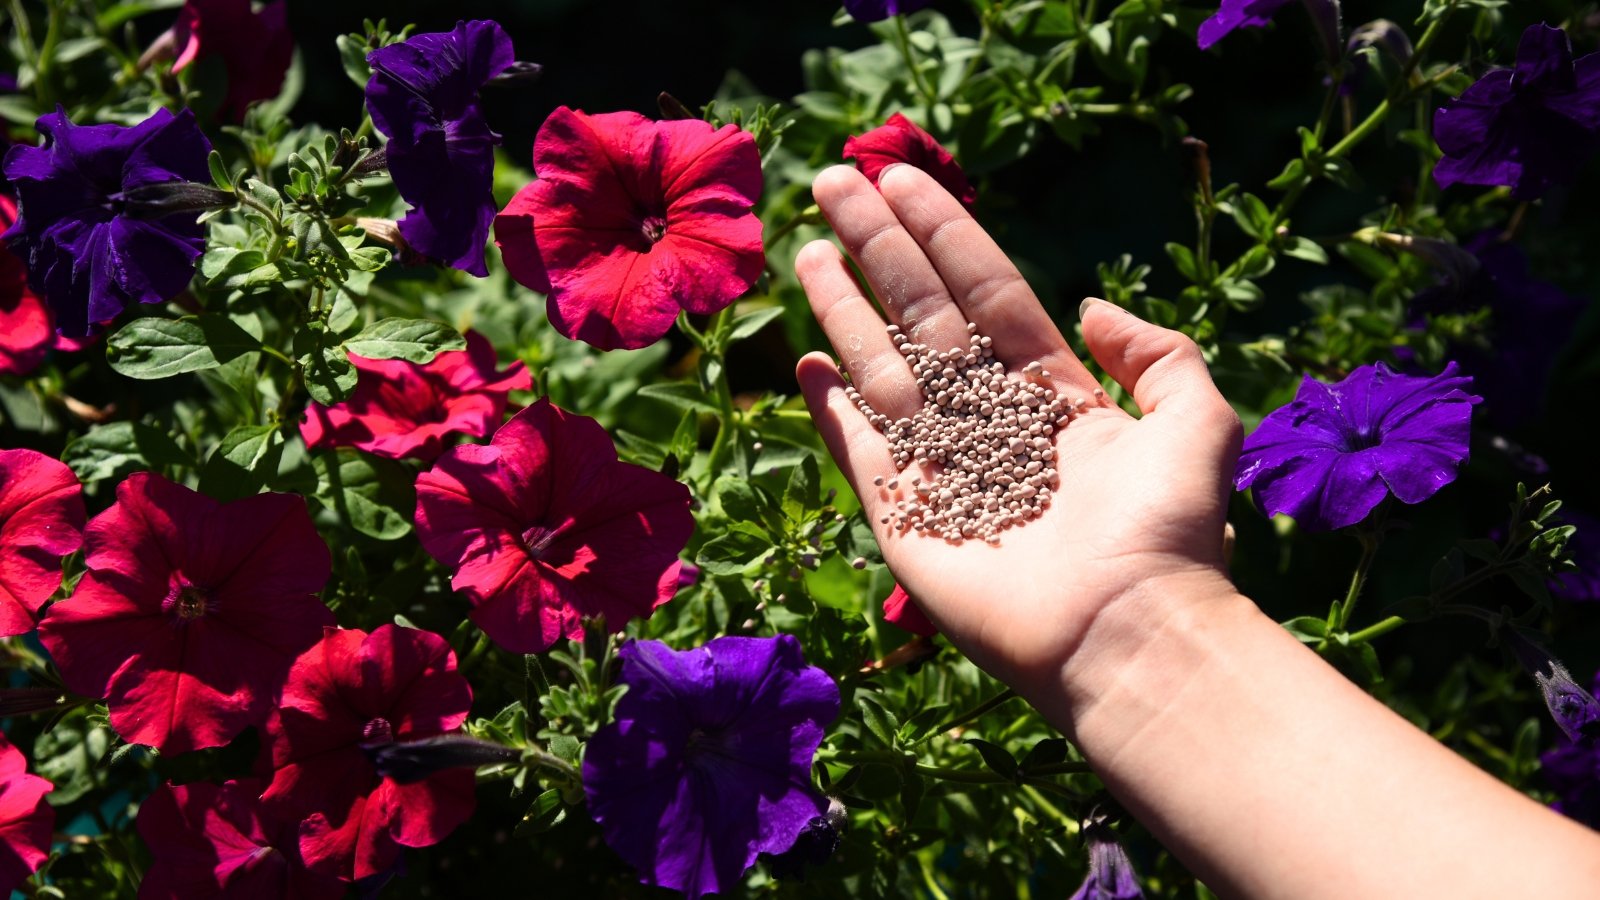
1266, 771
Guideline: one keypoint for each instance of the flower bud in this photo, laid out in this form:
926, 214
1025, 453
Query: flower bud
407, 762
1111, 874
167, 198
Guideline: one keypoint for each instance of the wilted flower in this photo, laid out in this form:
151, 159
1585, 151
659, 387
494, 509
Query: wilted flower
423, 96
1572, 707
878, 10
402, 409
544, 527
26, 819
899, 140
353, 690
88, 254
1111, 874
1336, 451
215, 841
631, 222
1572, 769
26, 330
1528, 127
254, 47
191, 612
41, 521
708, 762
900, 610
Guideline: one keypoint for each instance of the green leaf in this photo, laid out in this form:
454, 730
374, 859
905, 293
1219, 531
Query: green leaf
413, 340
1309, 629
1306, 249
112, 18
546, 812
922, 723
375, 496
1183, 258
996, 758
219, 172
1252, 216
353, 58
1047, 752
152, 347
682, 394
738, 499
748, 324
879, 720
242, 463
731, 553
329, 375
1292, 174
801, 495
118, 448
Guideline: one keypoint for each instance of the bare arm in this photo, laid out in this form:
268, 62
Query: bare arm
1259, 765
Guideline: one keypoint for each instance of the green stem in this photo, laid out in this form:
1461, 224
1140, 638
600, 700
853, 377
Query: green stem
1362, 131
727, 419
903, 41
277, 223
1376, 630
1369, 550
1066, 767
975, 712
811, 215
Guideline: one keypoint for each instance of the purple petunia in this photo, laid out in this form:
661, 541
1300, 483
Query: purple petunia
88, 253
1237, 14
1572, 769
708, 762
1582, 585
1337, 450
423, 96
1528, 127
878, 10
1111, 874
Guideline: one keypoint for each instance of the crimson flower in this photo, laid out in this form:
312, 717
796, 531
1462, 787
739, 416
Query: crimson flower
214, 841
25, 819
899, 140
191, 612
26, 327
900, 610
255, 47
632, 221
402, 409
544, 527
41, 520
396, 684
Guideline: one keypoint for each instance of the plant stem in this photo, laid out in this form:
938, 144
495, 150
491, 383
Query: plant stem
1370, 537
975, 712
1376, 630
903, 40
727, 419
811, 215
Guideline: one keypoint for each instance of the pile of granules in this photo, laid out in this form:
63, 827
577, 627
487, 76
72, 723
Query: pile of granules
989, 439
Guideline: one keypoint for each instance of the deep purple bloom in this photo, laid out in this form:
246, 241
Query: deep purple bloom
709, 760
1530, 321
423, 96
88, 254
1572, 769
1528, 127
1110, 872
1237, 14
878, 10
815, 845
1337, 450
1584, 549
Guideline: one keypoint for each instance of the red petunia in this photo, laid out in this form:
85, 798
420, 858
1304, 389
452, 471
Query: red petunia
632, 221
256, 47
899, 140
191, 612
27, 330
545, 527
401, 409
899, 609
215, 841
397, 684
41, 520
26, 819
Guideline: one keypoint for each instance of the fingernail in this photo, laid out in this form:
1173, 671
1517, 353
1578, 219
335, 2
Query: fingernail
1083, 308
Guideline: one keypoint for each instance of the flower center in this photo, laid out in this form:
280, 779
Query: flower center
1365, 438
537, 539
377, 731
654, 228
186, 601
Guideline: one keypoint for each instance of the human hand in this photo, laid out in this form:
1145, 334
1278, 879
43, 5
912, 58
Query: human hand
1139, 511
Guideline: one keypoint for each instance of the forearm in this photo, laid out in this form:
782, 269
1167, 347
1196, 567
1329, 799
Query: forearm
1271, 775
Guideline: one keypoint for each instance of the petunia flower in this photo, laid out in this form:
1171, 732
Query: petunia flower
191, 612
255, 47
1234, 14
899, 140
26, 820
26, 330
1582, 585
1111, 875
632, 221
1337, 450
708, 762
356, 689
423, 96
1572, 769
88, 254
900, 610
544, 527
41, 521
878, 10
402, 409
1529, 127
1574, 709
215, 841
1530, 321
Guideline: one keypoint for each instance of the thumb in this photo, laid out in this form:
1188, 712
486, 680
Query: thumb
1156, 365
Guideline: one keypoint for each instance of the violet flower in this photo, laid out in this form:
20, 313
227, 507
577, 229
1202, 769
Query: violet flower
708, 763
878, 10
1528, 127
1233, 14
1337, 450
1111, 875
1583, 584
1572, 769
423, 96
90, 248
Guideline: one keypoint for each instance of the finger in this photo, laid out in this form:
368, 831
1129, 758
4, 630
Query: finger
1161, 368
861, 451
856, 332
985, 285
905, 283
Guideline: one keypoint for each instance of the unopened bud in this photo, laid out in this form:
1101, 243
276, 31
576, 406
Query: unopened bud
170, 198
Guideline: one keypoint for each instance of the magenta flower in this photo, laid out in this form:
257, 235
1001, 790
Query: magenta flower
899, 140
26, 819
632, 221
89, 252
402, 409
545, 527
1528, 127
26, 329
708, 762
351, 689
254, 47
900, 610
214, 841
191, 612
1336, 451
41, 520
878, 10
423, 97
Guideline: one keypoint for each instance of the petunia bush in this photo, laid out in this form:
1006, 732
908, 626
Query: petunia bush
404, 491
